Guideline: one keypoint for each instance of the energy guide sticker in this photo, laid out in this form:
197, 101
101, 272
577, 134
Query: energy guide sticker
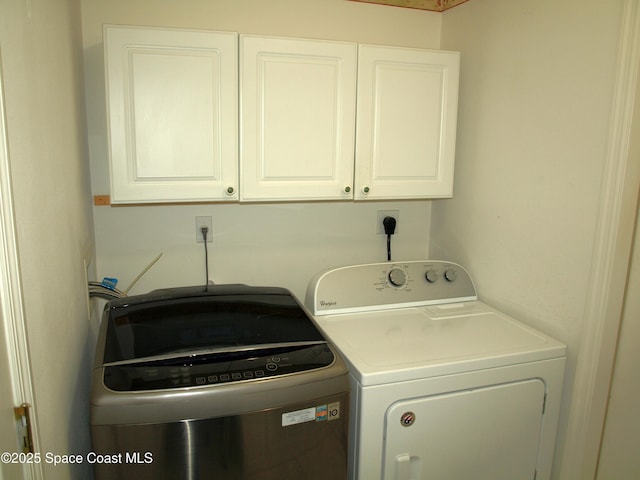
318, 414
299, 416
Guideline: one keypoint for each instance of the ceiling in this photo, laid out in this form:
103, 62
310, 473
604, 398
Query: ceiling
432, 5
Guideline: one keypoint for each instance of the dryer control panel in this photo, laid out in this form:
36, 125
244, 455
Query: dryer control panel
379, 286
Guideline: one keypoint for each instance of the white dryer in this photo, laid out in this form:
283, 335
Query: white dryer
443, 386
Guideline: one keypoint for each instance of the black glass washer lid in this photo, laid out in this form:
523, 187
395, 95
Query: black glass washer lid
181, 320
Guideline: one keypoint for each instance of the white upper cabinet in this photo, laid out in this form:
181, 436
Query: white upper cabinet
406, 131
173, 114
297, 118
212, 116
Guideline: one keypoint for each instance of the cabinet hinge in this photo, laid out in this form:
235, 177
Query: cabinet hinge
22, 416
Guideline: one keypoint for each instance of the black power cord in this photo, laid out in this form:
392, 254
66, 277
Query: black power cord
204, 229
389, 224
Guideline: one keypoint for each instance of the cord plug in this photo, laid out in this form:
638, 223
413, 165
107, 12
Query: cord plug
205, 230
389, 224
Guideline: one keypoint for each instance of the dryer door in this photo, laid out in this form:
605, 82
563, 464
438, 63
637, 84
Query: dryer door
489, 433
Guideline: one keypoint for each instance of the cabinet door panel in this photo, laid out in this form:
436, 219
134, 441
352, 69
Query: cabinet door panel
293, 121
173, 114
407, 111
298, 117
419, 136
173, 93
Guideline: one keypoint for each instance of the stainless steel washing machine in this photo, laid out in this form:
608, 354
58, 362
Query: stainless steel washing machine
228, 382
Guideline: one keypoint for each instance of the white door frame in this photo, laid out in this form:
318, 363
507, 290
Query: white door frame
11, 302
610, 264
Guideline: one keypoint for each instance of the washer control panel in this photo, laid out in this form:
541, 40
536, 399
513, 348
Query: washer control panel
217, 368
379, 286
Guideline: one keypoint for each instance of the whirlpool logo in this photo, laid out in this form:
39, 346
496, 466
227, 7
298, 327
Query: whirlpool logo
325, 303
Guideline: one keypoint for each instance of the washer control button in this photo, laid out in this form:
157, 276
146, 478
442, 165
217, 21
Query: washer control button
397, 277
272, 367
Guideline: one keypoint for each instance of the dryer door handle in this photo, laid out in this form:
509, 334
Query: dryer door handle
408, 467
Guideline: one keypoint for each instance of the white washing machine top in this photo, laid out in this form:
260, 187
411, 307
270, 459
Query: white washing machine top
409, 320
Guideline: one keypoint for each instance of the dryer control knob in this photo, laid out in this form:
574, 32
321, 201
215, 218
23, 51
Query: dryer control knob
397, 277
450, 275
431, 276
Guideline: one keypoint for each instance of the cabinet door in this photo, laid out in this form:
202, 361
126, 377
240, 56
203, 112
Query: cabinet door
172, 105
297, 119
407, 109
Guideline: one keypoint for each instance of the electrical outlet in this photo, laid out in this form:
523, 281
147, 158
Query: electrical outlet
204, 222
386, 213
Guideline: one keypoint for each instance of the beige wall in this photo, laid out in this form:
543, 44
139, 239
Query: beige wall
535, 101
278, 244
42, 71
325, 19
